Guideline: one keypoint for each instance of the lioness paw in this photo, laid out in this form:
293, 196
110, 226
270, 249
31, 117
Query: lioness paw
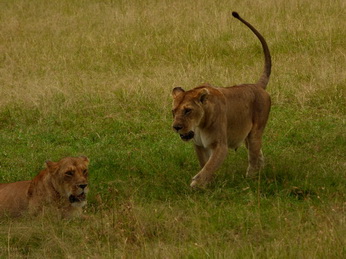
199, 181
252, 172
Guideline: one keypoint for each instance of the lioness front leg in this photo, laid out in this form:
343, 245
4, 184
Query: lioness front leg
218, 155
203, 155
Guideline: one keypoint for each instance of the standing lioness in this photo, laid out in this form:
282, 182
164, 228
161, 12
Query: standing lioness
220, 118
61, 185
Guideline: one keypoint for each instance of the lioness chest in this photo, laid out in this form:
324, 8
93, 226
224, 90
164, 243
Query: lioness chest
208, 139
201, 138
233, 139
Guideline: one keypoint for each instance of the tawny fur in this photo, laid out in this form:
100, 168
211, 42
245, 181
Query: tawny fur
220, 118
61, 185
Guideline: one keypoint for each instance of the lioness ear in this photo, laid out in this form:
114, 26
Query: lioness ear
85, 159
176, 91
50, 165
203, 95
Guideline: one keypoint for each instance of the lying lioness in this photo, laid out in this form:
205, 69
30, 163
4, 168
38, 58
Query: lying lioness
220, 118
62, 185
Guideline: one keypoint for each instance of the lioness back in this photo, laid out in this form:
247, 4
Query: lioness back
13, 198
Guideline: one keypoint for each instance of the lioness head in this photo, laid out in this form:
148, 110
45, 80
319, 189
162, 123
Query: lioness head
188, 111
70, 179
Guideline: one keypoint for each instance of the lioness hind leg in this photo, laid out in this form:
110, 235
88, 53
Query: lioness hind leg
255, 155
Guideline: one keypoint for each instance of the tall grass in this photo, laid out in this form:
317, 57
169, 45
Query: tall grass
94, 78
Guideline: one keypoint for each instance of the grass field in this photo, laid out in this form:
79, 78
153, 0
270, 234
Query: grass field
95, 77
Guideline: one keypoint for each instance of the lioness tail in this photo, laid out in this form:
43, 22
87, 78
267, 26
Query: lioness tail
264, 79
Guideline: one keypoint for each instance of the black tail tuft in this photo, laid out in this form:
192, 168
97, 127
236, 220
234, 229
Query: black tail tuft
236, 15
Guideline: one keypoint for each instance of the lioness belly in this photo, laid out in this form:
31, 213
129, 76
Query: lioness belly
237, 135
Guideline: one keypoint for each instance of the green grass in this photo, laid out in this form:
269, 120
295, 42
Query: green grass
95, 77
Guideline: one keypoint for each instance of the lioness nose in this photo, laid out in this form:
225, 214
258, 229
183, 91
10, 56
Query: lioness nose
82, 186
177, 127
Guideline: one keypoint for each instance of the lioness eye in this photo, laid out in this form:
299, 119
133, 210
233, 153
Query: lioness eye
187, 111
69, 173
85, 172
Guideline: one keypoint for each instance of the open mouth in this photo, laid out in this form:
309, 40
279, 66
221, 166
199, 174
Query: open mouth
187, 136
77, 198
